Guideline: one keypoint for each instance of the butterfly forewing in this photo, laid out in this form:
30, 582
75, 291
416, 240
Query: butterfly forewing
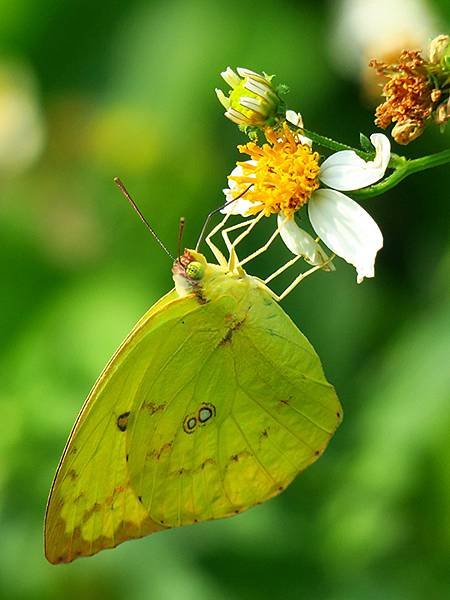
92, 505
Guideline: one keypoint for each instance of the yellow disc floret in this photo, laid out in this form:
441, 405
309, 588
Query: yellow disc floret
283, 173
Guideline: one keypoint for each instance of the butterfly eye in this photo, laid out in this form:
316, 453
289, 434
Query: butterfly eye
195, 270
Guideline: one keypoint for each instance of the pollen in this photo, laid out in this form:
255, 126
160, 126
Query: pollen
409, 94
283, 173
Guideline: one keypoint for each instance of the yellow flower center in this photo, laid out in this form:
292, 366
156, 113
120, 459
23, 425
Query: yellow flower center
283, 175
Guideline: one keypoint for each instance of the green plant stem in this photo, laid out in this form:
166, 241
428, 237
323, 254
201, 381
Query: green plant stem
402, 166
326, 142
405, 168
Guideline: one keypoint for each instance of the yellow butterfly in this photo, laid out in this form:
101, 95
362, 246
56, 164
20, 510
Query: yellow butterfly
213, 403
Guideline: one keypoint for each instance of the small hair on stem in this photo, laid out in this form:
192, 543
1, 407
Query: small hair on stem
135, 207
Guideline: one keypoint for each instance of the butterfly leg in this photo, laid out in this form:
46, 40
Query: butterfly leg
286, 265
214, 249
262, 249
221, 208
231, 246
300, 278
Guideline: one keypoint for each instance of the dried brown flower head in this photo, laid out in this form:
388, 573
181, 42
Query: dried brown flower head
409, 95
417, 90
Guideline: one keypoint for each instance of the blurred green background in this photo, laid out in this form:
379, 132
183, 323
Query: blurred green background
90, 90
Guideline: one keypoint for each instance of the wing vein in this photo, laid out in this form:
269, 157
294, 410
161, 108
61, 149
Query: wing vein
306, 417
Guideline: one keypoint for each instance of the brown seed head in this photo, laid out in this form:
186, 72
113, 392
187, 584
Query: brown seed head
409, 96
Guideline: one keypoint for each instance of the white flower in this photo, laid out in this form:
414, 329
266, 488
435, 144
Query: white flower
340, 222
236, 206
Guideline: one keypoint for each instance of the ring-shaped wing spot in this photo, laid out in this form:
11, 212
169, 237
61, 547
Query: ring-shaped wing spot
205, 413
190, 423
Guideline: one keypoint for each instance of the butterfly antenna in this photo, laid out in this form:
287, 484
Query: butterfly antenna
213, 212
180, 235
125, 192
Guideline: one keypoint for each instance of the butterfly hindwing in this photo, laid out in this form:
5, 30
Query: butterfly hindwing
248, 409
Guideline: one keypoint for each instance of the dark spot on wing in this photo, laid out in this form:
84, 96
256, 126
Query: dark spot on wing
201, 299
208, 461
154, 408
156, 454
140, 499
226, 338
122, 421
72, 474
240, 455
229, 334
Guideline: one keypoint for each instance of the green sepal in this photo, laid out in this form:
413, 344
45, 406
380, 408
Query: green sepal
365, 143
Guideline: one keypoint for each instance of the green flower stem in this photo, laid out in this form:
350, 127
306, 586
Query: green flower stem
404, 169
401, 165
327, 142
331, 144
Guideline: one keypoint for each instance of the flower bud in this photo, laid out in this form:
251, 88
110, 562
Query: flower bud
442, 113
252, 100
440, 51
407, 131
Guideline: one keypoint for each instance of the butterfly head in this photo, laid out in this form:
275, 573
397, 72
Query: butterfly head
192, 274
189, 271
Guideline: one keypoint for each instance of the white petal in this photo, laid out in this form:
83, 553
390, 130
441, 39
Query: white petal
231, 77
296, 119
382, 147
239, 206
224, 100
243, 72
301, 243
345, 170
347, 229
